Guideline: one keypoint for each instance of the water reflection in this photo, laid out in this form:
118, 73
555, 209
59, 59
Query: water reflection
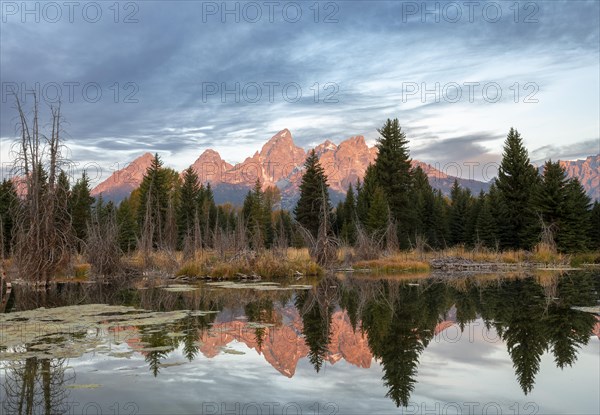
35, 386
349, 318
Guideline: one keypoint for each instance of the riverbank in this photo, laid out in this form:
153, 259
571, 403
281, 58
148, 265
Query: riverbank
297, 263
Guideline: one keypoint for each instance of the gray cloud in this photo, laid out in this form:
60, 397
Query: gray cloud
367, 54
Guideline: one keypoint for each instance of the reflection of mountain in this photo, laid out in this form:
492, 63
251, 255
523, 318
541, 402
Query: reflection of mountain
284, 346
358, 319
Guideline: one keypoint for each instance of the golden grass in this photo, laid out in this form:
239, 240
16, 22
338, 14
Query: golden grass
395, 263
267, 264
81, 271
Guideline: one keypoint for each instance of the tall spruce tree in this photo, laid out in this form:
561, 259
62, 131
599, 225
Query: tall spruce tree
154, 201
8, 205
377, 218
551, 194
573, 235
348, 229
423, 204
516, 183
485, 229
128, 227
314, 193
365, 193
459, 214
393, 173
187, 208
594, 226
80, 207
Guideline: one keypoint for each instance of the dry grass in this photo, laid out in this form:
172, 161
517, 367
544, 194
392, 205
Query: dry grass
395, 263
266, 264
81, 271
546, 254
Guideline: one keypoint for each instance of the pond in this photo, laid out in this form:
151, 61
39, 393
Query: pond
342, 344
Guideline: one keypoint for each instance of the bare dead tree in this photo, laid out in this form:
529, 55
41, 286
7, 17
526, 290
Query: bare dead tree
36, 385
42, 241
366, 246
547, 235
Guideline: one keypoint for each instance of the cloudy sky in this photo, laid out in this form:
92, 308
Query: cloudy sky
177, 77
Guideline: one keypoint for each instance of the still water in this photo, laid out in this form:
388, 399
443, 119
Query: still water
343, 344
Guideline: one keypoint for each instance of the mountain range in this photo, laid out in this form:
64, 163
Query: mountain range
280, 161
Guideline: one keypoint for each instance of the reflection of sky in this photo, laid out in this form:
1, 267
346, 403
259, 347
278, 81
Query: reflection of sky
452, 370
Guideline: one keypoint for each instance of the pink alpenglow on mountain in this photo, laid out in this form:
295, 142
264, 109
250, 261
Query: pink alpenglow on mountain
280, 163
122, 182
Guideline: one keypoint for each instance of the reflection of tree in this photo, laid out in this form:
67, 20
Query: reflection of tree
156, 338
261, 311
399, 319
569, 329
36, 385
530, 326
316, 307
399, 323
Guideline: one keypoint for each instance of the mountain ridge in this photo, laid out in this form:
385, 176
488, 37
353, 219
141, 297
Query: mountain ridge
279, 163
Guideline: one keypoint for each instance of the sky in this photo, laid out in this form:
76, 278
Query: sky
178, 77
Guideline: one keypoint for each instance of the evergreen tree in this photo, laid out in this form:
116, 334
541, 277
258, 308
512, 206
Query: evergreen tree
551, 194
154, 201
573, 235
80, 207
314, 192
187, 208
393, 173
8, 205
498, 211
516, 182
439, 230
475, 205
485, 229
459, 210
563, 205
594, 226
348, 229
128, 229
365, 194
377, 219
423, 204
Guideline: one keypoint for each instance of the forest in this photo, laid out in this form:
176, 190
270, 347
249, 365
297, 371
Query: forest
51, 226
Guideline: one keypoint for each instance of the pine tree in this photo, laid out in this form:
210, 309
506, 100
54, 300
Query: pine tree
314, 192
377, 219
423, 205
348, 229
187, 208
80, 207
128, 227
551, 194
573, 235
485, 229
393, 173
594, 226
475, 205
365, 192
8, 205
154, 202
459, 211
439, 231
516, 182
